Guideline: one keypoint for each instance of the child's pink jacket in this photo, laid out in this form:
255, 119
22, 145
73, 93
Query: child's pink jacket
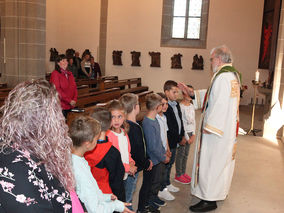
114, 140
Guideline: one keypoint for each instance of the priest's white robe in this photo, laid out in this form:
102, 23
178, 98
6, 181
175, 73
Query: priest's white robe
217, 151
199, 98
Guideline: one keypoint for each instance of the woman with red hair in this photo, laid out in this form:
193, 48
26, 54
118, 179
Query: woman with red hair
35, 152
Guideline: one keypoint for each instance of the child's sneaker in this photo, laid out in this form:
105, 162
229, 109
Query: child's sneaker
187, 177
181, 179
172, 188
165, 194
152, 207
158, 201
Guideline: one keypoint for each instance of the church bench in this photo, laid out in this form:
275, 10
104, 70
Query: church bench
82, 89
87, 82
3, 85
72, 115
142, 96
94, 98
134, 90
104, 78
5, 90
97, 97
122, 83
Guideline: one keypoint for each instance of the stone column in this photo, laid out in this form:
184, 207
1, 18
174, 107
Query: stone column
23, 35
103, 35
272, 124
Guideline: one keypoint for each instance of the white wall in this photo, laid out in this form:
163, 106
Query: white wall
72, 24
136, 25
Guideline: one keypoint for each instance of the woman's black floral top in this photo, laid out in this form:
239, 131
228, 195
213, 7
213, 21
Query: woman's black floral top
25, 186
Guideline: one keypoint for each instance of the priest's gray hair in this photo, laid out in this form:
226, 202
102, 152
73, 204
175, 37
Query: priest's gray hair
224, 53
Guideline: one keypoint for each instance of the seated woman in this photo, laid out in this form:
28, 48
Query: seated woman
35, 152
65, 84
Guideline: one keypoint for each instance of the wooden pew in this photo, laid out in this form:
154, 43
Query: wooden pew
142, 96
83, 89
99, 81
132, 85
87, 82
104, 78
84, 101
72, 115
3, 85
92, 98
88, 110
134, 90
120, 83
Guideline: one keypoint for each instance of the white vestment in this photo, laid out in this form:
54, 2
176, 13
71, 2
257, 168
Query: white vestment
199, 98
216, 160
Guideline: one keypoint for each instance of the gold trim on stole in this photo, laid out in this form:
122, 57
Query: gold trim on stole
214, 129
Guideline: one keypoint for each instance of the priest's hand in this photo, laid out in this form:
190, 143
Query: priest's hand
184, 88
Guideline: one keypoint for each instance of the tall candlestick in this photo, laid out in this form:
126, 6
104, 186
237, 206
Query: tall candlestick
257, 76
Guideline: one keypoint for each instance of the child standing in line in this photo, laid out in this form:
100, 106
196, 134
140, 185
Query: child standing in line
176, 131
84, 132
162, 119
155, 151
119, 138
188, 119
105, 160
131, 106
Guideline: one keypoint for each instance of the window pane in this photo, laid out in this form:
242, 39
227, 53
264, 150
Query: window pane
195, 7
179, 7
178, 27
193, 31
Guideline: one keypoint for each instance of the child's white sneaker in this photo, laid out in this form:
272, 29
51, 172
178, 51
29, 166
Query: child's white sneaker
172, 188
166, 195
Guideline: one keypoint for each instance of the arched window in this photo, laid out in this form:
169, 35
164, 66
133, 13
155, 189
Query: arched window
185, 23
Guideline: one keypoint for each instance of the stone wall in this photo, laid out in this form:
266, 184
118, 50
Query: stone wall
23, 35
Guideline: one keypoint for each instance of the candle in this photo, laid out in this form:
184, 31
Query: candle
257, 76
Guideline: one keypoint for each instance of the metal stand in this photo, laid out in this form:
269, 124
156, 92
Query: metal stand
252, 130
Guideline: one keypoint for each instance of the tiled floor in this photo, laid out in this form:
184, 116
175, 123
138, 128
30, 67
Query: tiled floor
258, 182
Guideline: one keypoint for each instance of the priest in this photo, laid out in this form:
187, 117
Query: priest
215, 149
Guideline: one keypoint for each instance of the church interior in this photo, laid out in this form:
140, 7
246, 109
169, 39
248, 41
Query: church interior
117, 32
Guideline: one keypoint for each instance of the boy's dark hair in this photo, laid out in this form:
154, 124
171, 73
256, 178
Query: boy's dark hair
152, 101
169, 85
129, 101
162, 95
102, 115
83, 129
